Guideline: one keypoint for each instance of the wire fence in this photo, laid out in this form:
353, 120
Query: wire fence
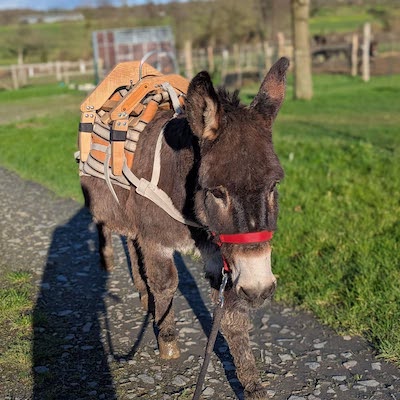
232, 66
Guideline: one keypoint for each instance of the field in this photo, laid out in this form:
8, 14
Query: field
71, 40
337, 248
347, 18
45, 118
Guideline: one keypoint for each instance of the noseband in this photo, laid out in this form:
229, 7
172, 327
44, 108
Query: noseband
241, 238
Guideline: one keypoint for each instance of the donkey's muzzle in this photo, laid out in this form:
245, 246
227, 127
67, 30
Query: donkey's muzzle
256, 296
252, 276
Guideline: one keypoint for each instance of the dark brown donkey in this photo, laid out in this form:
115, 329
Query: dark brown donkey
219, 167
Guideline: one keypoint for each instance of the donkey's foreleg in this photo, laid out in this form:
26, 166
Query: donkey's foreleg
235, 326
105, 247
138, 273
162, 278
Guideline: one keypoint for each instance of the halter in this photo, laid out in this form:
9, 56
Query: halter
241, 238
235, 238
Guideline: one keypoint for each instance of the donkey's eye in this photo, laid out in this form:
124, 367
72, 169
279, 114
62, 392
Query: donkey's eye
273, 186
218, 193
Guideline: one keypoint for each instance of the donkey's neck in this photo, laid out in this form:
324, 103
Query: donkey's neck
181, 152
179, 159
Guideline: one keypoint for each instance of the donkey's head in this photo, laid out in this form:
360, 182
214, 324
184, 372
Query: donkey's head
238, 174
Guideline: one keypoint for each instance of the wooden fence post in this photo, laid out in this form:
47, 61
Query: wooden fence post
281, 44
67, 66
22, 74
225, 64
366, 49
188, 59
210, 58
238, 64
14, 76
354, 55
268, 52
82, 67
58, 71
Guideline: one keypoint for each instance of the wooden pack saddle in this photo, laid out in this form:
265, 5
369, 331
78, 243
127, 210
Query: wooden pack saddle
117, 111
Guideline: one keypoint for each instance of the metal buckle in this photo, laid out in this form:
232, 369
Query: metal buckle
221, 297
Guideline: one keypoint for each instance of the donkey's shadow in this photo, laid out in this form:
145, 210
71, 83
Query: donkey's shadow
69, 359
72, 345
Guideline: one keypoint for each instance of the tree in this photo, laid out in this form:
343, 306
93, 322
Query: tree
301, 44
23, 42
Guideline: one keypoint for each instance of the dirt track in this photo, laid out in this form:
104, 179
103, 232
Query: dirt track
92, 340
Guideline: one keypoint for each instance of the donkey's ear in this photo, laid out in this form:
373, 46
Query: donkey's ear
203, 107
272, 91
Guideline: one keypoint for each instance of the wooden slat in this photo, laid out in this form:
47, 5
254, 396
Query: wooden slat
122, 75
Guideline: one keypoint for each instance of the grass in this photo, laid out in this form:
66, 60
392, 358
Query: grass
351, 18
337, 248
16, 304
45, 144
340, 19
72, 40
66, 40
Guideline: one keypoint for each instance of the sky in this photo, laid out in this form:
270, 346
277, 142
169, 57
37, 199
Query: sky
61, 4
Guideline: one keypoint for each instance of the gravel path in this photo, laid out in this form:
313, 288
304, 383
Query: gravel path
93, 341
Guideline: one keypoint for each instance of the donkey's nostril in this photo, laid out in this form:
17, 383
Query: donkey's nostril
269, 291
251, 294
248, 294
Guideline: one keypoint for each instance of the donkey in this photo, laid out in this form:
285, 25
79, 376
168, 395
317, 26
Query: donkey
219, 167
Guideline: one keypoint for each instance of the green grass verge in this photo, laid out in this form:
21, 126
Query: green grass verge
337, 248
42, 148
16, 304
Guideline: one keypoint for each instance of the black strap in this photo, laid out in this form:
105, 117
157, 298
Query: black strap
117, 136
218, 313
85, 127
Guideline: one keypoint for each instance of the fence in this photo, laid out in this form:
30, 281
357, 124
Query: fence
232, 66
361, 54
236, 64
15, 76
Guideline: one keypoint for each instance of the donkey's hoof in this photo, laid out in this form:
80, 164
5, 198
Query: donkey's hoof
259, 393
168, 350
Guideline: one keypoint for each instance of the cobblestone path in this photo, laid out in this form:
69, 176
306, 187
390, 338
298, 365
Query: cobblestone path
93, 341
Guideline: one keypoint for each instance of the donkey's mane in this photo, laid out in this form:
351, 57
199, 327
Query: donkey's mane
229, 101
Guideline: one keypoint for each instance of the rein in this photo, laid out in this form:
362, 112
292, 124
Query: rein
217, 317
235, 238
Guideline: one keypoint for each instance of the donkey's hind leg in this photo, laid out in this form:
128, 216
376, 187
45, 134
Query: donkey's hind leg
138, 273
235, 326
162, 278
105, 247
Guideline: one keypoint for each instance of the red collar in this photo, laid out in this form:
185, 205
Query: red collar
242, 238
249, 237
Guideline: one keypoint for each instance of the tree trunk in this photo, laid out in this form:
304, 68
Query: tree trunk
302, 55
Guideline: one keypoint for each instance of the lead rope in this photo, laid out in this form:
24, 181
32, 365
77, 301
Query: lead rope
218, 313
